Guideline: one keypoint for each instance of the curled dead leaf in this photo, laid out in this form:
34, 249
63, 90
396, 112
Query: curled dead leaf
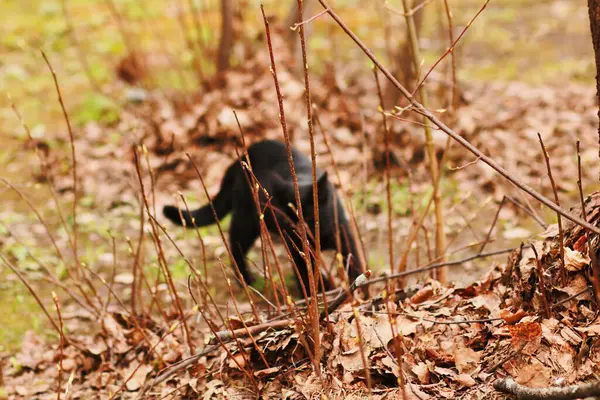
574, 260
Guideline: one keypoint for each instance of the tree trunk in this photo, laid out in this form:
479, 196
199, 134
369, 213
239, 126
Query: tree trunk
226, 41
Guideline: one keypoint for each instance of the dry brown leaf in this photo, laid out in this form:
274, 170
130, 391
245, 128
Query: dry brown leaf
465, 380
574, 260
466, 359
139, 376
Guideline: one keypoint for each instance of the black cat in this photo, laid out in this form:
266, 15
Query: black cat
269, 163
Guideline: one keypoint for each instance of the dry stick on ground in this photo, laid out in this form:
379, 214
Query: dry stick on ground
199, 277
592, 253
313, 309
434, 266
344, 294
563, 270
508, 385
418, 107
528, 209
112, 277
542, 282
440, 236
45, 173
348, 202
202, 248
152, 348
172, 369
570, 298
61, 346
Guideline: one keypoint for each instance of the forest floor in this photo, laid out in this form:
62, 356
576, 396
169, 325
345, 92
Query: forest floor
525, 69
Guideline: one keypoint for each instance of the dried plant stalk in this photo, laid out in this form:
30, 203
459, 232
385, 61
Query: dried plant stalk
440, 237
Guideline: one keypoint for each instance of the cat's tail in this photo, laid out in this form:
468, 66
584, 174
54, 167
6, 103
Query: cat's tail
204, 216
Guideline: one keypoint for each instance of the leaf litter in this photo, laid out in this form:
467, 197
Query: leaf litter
447, 341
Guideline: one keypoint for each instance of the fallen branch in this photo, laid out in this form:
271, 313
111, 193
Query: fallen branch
434, 266
227, 335
508, 385
344, 294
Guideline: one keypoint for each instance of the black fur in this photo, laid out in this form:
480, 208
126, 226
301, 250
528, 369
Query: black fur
269, 163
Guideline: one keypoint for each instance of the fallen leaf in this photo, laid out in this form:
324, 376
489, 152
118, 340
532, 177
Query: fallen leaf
574, 260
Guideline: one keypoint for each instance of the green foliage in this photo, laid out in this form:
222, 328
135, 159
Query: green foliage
96, 108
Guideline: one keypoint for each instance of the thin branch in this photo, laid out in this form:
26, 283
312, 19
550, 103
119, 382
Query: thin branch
73, 157
463, 142
451, 48
563, 270
344, 294
434, 266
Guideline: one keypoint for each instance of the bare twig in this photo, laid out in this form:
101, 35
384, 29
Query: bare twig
454, 100
311, 135
585, 390
313, 309
434, 266
61, 346
73, 160
440, 236
451, 48
463, 142
570, 298
161, 255
227, 335
563, 270
344, 294
298, 24
388, 178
